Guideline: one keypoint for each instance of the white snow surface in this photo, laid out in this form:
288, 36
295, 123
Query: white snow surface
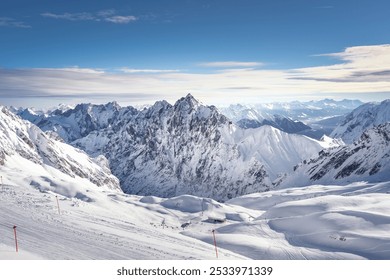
314, 222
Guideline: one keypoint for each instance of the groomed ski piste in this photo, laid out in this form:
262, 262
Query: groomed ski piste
312, 222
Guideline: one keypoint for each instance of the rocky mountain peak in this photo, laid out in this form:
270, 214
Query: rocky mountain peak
157, 109
187, 103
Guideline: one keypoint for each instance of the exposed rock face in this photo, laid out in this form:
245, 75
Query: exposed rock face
367, 159
362, 118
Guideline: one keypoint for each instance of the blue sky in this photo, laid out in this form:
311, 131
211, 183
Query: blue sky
223, 51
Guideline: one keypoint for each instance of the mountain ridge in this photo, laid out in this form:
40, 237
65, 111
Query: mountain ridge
184, 148
362, 118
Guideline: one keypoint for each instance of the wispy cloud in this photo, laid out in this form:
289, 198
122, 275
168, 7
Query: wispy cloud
363, 71
231, 64
120, 19
70, 16
10, 22
75, 69
104, 15
151, 71
362, 64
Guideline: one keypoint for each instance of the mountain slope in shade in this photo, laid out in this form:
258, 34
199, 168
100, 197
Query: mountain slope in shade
26, 150
362, 118
367, 159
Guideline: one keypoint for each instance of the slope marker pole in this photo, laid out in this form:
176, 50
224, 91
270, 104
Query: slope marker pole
58, 205
16, 239
215, 244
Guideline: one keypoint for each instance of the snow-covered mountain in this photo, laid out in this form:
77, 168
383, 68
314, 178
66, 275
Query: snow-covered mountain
31, 155
367, 159
185, 148
73, 123
168, 150
360, 119
276, 149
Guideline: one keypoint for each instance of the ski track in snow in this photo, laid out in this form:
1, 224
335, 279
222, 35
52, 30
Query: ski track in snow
315, 222
84, 231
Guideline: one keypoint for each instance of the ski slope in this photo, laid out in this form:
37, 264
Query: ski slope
117, 227
314, 222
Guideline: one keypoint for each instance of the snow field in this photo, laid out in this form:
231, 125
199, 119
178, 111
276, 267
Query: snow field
314, 222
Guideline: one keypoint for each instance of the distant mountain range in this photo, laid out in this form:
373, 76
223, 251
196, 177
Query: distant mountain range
304, 118
302, 111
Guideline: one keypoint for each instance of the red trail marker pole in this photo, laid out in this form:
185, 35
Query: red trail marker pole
215, 244
58, 205
16, 240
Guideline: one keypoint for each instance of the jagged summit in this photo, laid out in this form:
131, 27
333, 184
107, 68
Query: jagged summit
187, 103
157, 108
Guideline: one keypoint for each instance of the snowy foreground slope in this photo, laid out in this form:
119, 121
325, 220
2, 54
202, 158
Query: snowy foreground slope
315, 222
